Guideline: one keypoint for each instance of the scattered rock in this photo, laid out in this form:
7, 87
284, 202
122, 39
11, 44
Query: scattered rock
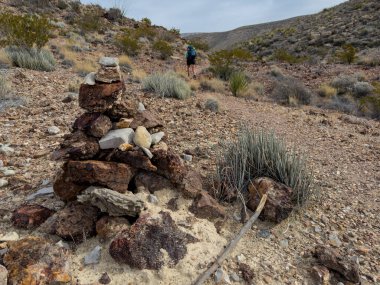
125, 147
34, 260
157, 137
284, 243
105, 279
334, 260
140, 247
70, 97
141, 107
191, 185
241, 258
93, 257
65, 188
108, 227
146, 119
222, 277
75, 222
142, 137
320, 275
123, 109
112, 202
10, 236
334, 239
147, 152
123, 123
235, 277
3, 182
3, 275
152, 182
6, 149
264, 233
93, 124
246, 272
53, 130
152, 199
79, 146
113, 175
187, 157
115, 138
30, 216
109, 61
279, 203
206, 207
135, 158
47, 191
161, 146
90, 79
100, 97
169, 165
8, 172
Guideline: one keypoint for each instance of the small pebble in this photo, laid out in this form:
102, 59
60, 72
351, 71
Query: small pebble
141, 107
187, 157
93, 257
235, 277
264, 233
105, 279
3, 182
53, 130
152, 199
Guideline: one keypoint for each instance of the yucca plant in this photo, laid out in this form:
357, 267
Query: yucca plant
257, 154
238, 83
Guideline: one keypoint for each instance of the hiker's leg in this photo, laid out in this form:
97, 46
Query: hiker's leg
193, 69
188, 70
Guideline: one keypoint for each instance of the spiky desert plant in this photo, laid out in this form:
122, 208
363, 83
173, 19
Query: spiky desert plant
238, 83
261, 154
167, 85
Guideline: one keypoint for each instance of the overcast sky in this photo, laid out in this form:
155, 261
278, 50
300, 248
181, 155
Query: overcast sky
215, 15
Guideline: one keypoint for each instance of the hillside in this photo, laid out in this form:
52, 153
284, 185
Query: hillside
353, 22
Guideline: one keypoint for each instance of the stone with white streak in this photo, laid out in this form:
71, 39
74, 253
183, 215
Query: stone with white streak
115, 138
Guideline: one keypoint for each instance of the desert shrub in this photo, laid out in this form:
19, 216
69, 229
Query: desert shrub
31, 58
7, 97
370, 106
25, 31
362, 89
194, 85
285, 56
75, 6
223, 63
212, 104
167, 36
61, 4
146, 21
90, 21
125, 63
347, 54
167, 85
276, 72
327, 91
290, 91
138, 75
345, 104
163, 48
128, 44
344, 83
257, 88
200, 44
238, 83
213, 85
257, 154
145, 30
4, 59
114, 14
175, 31
360, 76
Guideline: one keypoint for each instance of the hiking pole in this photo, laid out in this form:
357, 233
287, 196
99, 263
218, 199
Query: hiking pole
226, 252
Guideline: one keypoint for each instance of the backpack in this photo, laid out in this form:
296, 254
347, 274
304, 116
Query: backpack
191, 52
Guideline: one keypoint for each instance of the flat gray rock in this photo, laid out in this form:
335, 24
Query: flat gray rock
93, 257
42, 192
109, 61
157, 137
90, 78
115, 138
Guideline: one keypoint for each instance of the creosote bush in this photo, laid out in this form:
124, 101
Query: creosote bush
31, 58
284, 56
90, 21
362, 89
327, 91
291, 91
167, 85
347, 54
128, 44
257, 154
238, 83
163, 48
344, 83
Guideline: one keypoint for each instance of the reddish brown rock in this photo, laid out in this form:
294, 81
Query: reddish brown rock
79, 146
338, 262
108, 227
135, 158
206, 207
34, 260
100, 97
152, 182
169, 165
65, 188
146, 119
75, 222
124, 108
191, 185
279, 203
320, 275
115, 176
140, 246
30, 216
94, 124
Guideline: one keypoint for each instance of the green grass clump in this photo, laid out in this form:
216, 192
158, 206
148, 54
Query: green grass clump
163, 48
257, 154
238, 83
31, 58
167, 85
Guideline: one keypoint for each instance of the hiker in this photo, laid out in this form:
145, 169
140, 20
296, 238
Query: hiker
191, 54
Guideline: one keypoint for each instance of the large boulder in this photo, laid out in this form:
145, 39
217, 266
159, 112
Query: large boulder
30, 216
170, 165
75, 222
100, 97
115, 176
134, 158
141, 246
279, 204
94, 124
34, 260
123, 108
152, 182
206, 207
112, 202
79, 146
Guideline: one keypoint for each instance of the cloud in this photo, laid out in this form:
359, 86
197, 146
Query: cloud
215, 15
